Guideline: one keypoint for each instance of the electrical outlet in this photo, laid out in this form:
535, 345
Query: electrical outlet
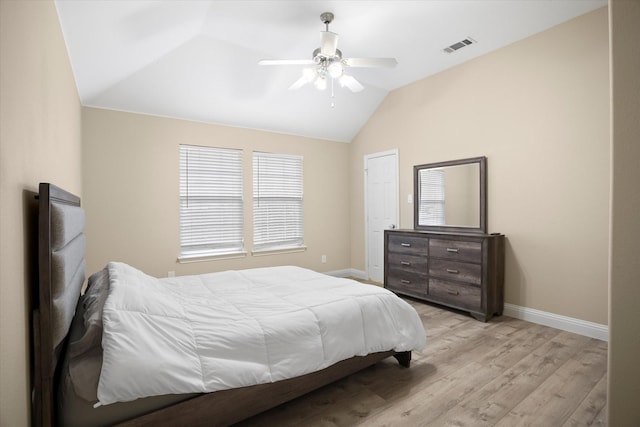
171, 274
324, 259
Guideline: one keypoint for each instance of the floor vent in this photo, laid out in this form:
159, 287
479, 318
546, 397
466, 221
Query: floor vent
459, 45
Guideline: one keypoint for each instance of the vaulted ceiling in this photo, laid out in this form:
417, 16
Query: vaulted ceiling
198, 60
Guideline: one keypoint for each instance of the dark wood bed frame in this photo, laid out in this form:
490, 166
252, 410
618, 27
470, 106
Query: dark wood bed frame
219, 408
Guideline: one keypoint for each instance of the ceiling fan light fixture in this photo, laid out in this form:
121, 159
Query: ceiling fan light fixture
335, 69
320, 83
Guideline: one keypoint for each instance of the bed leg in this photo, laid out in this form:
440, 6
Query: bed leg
404, 358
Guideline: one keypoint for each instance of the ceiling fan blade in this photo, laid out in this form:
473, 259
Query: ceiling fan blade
328, 43
299, 83
286, 62
308, 75
370, 62
350, 82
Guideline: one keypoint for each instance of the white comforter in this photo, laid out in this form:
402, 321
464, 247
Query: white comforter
239, 328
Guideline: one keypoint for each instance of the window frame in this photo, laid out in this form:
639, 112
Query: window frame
268, 173
224, 207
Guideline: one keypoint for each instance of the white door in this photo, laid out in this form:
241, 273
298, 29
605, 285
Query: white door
381, 207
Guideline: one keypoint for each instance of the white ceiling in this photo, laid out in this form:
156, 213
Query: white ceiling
197, 59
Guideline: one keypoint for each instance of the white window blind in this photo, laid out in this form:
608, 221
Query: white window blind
211, 213
431, 197
277, 201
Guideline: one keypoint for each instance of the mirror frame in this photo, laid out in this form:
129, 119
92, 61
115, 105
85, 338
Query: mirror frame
482, 228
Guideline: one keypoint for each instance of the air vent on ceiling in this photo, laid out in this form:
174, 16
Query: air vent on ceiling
459, 45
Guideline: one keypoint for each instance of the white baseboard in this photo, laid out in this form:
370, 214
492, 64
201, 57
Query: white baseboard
348, 272
569, 324
582, 327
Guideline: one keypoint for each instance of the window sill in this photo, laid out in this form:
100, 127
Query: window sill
265, 252
186, 259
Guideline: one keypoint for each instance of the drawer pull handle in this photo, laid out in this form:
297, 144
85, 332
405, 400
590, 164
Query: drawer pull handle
406, 245
453, 292
405, 263
406, 282
454, 250
452, 271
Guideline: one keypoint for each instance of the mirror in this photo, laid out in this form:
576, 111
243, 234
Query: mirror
451, 196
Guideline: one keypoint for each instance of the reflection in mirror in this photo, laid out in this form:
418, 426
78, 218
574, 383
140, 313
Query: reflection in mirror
451, 196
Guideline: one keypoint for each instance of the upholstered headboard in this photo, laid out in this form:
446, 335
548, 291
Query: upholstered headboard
61, 274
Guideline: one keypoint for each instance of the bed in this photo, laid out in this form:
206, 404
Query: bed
59, 323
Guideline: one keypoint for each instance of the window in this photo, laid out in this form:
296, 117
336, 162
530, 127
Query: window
211, 215
431, 197
277, 202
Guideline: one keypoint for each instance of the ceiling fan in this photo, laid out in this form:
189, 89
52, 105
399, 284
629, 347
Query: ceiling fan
328, 64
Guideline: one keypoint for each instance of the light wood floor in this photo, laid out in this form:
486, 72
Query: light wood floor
505, 372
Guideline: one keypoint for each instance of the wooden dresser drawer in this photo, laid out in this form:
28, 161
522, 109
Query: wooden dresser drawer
408, 244
410, 263
463, 271
407, 282
457, 250
458, 295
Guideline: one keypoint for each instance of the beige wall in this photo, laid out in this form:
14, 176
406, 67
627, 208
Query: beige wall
131, 186
539, 110
624, 298
40, 129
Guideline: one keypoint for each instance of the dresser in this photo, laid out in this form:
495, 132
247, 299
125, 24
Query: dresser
460, 270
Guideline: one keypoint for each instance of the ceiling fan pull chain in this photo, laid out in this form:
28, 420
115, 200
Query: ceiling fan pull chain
333, 104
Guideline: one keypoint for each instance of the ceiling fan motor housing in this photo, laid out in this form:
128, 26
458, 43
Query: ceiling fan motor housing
319, 57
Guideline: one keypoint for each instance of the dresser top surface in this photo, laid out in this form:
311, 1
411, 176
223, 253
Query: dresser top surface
442, 233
